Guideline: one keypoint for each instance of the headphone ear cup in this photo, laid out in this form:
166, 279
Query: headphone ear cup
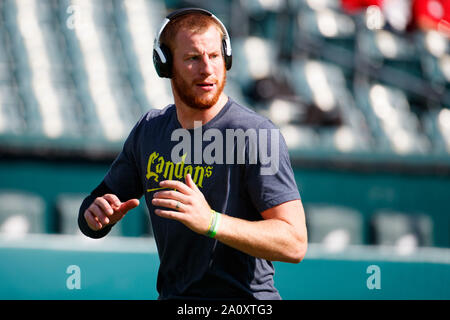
228, 59
163, 69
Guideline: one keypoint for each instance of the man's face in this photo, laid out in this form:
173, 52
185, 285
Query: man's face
199, 73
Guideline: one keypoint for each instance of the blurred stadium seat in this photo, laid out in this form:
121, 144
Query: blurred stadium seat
21, 213
332, 111
138, 22
334, 226
326, 33
437, 125
385, 47
405, 231
257, 58
391, 119
434, 52
67, 206
103, 62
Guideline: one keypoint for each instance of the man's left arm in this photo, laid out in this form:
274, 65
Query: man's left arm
280, 236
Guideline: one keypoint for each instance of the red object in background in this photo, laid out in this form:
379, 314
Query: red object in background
432, 14
353, 6
426, 14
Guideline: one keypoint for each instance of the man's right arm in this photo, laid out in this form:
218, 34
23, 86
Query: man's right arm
101, 210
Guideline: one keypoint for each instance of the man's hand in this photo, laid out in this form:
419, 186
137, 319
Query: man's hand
187, 204
280, 236
107, 210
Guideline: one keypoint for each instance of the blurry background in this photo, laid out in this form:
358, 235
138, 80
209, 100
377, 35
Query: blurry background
359, 89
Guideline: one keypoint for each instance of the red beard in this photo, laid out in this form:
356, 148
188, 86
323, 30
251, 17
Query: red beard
187, 95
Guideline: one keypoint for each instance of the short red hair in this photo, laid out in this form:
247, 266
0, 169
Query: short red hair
195, 22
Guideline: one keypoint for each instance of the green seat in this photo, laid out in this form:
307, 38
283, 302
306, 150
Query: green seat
21, 213
434, 125
401, 229
334, 226
256, 58
391, 118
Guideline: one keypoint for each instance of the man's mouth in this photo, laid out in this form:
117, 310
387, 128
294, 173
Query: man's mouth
206, 85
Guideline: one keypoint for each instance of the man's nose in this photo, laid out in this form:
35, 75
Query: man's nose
206, 66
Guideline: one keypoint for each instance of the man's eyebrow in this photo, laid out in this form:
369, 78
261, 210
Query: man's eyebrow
192, 53
197, 53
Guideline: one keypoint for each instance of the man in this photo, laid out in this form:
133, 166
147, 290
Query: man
218, 223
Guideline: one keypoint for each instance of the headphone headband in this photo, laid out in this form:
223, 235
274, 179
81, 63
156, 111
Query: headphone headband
162, 58
184, 11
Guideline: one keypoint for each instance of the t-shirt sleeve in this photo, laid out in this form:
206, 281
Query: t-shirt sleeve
123, 175
269, 178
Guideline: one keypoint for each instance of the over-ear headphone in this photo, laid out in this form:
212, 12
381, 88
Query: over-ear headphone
162, 57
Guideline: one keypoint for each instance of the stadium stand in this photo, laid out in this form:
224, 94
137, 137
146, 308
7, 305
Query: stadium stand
88, 63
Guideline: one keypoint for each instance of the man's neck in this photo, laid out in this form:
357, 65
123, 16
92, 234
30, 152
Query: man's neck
187, 115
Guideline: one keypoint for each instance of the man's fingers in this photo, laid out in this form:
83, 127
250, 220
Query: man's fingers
167, 203
113, 200
92, 220
128, 205
107, 209
175, 184
104, 205
174, 215
190, 183
99, 213
171, 194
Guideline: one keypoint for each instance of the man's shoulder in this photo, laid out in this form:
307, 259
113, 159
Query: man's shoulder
245, 117
157, 113
153, 119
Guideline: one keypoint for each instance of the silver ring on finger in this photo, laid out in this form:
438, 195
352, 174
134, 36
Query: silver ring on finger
178, 205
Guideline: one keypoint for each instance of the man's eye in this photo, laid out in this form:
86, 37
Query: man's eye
193, 58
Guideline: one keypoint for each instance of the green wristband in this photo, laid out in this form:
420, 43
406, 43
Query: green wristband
214, 226
212, 223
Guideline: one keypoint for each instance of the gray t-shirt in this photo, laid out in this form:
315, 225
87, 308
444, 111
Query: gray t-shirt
237, 179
